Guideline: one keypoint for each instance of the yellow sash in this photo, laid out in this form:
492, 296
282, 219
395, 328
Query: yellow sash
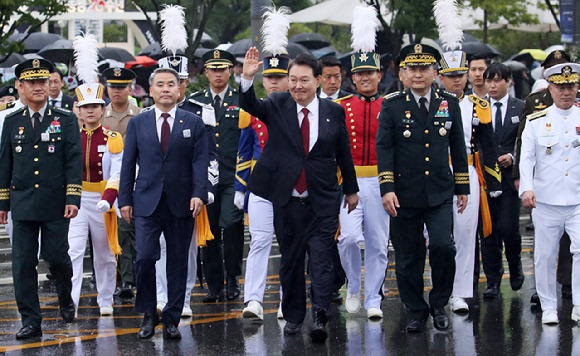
203, 231
483, 204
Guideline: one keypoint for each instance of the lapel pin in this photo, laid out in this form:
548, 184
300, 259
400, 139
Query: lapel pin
327, 120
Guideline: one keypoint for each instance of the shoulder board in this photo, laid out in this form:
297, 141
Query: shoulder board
198, 103
343, 98
61, 110
536, 115
244, 119
115, 141
394, 95
17, 112
199, 92
147, 108
482, 103
448, 93
7, 106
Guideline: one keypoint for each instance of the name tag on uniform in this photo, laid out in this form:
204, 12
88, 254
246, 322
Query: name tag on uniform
515, 119
448, 124
187, 133
45, 137
101, 148
576, 143
475, 121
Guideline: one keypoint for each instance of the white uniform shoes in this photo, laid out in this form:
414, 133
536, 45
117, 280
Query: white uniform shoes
106, 311
253, 310
186, 312
280, 315
374, 313
458, 305
576, 313
352, 303
550, 317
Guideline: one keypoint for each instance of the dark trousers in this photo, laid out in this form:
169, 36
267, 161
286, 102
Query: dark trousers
300, 230
409, 243
54, 249
227, 226
125, 261
178, 233
505, 218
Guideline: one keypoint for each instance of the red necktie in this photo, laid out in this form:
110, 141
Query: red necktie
165, 132
305, 130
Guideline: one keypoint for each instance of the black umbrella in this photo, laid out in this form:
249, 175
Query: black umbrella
154, 51
14, 58
311, 40
60, 51
35, 41
200, 51
471, 48
117, 54
324, 52
525, 57
239, 48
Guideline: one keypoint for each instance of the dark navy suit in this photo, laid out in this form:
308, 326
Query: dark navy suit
161, 201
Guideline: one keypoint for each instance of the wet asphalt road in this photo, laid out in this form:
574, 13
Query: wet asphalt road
506, 326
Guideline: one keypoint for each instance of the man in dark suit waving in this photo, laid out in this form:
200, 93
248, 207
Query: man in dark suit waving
168, 193
297, 170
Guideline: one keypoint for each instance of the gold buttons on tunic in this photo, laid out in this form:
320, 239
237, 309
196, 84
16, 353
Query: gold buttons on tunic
426, 131
36, 173
261, 134
354, 133
100, 172
217, 134
100, 155
566, 174
259, 126
566, 159
217, 144
35, 146
567, 145
36, 159
427, 145
354, 140
354, 147
426, 173
352, 121
565, 131
352, 127
217, 124
99, 164
36, 186
350, 115
426, 159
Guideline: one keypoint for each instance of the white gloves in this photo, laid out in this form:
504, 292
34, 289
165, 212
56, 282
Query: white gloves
103, 206
239, 199
495, 193
210, 198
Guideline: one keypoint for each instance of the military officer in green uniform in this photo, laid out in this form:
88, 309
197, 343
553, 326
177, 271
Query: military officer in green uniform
40, 183
226, 220
420, 131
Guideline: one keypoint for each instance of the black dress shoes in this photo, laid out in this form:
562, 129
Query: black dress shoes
336, 297
292, 328
27, 332
126, 291
213, 297
318, 331
517, 277
232, 287
150, 321
492, 290
440, 319
171, 331
68, 312
534, 299
416, 326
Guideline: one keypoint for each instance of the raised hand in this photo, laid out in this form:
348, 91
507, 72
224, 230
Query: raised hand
251, 63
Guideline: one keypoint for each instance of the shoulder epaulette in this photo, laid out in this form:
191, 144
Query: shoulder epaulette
7, 106
198, 93
343, 98
394, 95
61, 110
147, 108
244, 119
448, 93
115, 141
16, 112
482, 103
537, 114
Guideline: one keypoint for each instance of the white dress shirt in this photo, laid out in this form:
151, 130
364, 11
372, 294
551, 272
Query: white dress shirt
334, 96
159, 120
504, 107
57, 101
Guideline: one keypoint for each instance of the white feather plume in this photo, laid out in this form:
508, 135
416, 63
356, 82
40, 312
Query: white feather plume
449, 23
173, 32
275, 30
86, 57
364, 28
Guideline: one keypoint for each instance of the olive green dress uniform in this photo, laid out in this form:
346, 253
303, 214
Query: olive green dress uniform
39, 176
413, 162
223, 214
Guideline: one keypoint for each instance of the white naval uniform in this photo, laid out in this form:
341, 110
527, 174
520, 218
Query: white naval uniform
465, 224
89, 219
550, 167
370, 216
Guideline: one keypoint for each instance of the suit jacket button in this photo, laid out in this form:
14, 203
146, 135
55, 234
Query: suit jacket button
426, 131
426, 173
35, 173
36, 186
35, 146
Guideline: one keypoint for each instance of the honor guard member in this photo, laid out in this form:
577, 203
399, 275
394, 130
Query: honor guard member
369, 222
550, 184
40, 183
116, 117
207, 113
535, 102
252, 141
484, 174
102, 157
225, 251
418, 129
8, 94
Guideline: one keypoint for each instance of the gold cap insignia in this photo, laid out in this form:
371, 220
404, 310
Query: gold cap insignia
175, 62
557, 54
567, 71
418, 48
274, 62
363, 57
35, 63
89, 91
216, 54
117, 72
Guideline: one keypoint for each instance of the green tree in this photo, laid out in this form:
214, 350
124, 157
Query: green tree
17, 13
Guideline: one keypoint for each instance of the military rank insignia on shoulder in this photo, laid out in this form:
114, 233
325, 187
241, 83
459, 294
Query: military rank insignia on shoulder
147, 108
17, 112
62, 110
482, 103
394, 95
536, 115
343, 98
7, 106
448, 93
115, 141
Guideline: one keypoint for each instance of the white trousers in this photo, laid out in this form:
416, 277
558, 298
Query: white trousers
261, 224
368, 222
465, 236
89, 219
161, 269
550, 222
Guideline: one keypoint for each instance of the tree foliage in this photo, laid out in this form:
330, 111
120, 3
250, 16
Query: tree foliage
17, 14
514, 11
